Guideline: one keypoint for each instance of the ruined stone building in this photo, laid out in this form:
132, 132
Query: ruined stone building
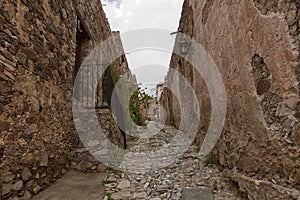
43, 44
255, 45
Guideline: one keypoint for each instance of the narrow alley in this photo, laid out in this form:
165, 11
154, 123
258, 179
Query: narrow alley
149, 100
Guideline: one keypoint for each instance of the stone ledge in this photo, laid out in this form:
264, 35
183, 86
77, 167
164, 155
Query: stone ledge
261, 189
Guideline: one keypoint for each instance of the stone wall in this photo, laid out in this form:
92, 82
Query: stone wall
255, 45
42, 46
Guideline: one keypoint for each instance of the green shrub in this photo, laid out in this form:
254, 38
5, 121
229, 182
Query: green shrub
208, 161
133, 138
138, 100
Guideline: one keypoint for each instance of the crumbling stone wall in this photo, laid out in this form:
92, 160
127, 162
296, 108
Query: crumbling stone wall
255, 45
39, 56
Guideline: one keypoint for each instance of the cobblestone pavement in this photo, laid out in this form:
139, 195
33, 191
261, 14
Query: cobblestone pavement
188, 177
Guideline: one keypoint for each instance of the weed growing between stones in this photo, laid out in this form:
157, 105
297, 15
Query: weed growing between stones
107, 182
208, 161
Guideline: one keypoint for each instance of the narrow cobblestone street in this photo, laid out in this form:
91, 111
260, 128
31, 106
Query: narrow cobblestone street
150, 100
187, 178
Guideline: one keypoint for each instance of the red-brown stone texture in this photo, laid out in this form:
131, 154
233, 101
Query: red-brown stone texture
255, 46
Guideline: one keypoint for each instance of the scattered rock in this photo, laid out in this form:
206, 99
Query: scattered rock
28, 158
36, 189
121, 195
146, 185
140, 195
8, 177
124, 184
26, 174
32, 129
84, 166
167, 183
101, 168
111, 185
27, 196
44, 160
161, 188
6, 188
197, 194
18, 185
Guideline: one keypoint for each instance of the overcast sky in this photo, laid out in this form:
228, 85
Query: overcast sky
150, 66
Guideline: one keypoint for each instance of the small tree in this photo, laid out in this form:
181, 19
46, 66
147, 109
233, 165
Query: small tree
138, 100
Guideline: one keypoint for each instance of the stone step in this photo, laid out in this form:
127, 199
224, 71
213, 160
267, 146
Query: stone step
197, 194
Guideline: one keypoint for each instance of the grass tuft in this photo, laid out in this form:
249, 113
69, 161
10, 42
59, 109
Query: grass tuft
208, 161
107, 182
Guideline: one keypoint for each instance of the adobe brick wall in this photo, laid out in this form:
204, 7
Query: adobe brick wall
256, 48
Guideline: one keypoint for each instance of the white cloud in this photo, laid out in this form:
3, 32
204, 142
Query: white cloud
144, 14
136, 14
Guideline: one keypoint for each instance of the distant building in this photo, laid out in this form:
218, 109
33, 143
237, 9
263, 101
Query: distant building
159, 90
159, 110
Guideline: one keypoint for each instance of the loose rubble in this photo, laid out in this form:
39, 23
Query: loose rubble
187, 172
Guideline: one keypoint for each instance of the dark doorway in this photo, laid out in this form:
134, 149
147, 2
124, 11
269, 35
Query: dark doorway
82, 50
